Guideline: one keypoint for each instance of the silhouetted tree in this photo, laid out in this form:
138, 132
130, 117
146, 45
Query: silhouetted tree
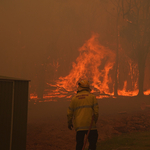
118, 11
136, 30
116, 6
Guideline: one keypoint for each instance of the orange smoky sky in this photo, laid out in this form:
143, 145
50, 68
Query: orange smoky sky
32, 31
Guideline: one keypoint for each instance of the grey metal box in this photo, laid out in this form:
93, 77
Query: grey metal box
13, 113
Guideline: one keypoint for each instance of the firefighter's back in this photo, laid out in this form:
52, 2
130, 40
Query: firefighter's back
83, 104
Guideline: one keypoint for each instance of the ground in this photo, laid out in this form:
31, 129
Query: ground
47, 122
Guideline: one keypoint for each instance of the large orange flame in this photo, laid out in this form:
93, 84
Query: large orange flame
125, 92
94, 63
89, 65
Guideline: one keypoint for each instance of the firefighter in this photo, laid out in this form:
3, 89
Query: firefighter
82, 108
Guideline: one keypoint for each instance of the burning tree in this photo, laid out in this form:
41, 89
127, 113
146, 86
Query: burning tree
114, 9
96, 62
136, 31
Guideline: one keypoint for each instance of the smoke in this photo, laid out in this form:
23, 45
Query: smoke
33, 30
36, 36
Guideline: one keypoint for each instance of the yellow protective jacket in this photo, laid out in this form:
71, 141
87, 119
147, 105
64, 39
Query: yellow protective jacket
82, 107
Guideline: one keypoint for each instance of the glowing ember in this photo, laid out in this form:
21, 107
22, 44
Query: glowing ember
124, 91
50, 100
33, 96
147, 92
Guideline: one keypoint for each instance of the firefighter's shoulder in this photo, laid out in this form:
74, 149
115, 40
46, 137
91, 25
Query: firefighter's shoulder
92, 95
74, 97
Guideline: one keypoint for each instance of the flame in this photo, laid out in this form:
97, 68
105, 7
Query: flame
147, 92
33, 96
89, 65
49, 100
94, 63
125, 92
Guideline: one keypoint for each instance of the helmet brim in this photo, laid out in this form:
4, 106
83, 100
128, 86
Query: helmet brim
83, 88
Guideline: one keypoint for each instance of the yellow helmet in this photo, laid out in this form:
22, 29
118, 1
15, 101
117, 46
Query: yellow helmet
84, 84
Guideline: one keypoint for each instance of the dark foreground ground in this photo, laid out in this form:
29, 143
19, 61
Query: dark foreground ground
127, 141
47, 122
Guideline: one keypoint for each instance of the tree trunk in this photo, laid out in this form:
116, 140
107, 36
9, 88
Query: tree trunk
116, 69
141, 67
116, 80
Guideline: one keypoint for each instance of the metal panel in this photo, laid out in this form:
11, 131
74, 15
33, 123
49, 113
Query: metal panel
6, 92
20, 115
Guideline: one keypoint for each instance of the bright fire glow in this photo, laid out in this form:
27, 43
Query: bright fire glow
147, 92
93, 63
33, 96
124, 91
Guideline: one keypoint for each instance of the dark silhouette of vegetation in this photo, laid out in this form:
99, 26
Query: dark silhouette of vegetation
136, 13
133, 26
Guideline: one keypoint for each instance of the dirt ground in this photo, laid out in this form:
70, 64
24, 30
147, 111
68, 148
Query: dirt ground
47, 122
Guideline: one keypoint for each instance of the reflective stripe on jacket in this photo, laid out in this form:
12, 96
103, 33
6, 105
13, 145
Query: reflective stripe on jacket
82, 107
